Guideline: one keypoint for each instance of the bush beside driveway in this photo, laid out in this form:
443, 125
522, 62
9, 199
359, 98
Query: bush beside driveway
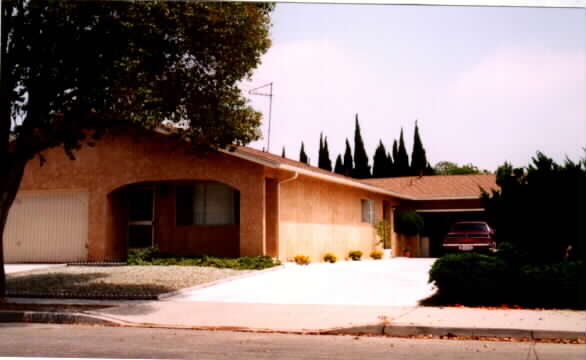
134, 282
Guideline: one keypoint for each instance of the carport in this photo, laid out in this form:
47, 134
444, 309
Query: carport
441, 201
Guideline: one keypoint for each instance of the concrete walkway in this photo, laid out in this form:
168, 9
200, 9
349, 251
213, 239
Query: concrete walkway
353, 319
15, 268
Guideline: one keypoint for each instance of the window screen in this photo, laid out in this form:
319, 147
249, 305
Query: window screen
207, 204
368, 211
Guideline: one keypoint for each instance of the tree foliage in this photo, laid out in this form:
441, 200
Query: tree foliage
361, 166
324, 161
419, 164
302, 155
402, 160
73, 69
541, 208
348, 161
451, 168
339, 167
381, 166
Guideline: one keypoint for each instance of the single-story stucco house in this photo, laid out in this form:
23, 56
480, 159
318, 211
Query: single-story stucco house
139, 189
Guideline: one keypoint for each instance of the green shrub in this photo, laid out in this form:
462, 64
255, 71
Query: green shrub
155, 257
355, 255
476, 279
470, 277
302, 259
409, 223
553, 285
376, 254
330, 257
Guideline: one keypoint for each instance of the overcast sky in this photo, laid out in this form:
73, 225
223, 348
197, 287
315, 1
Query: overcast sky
486, 84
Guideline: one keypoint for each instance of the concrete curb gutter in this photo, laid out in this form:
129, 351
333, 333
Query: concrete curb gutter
380, 329
218, 282
56, 318
419, 330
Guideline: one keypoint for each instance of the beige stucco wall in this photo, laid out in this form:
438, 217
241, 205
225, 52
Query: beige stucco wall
318, 217
120, 160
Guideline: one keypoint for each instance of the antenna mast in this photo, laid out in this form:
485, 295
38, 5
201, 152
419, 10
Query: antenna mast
270, 95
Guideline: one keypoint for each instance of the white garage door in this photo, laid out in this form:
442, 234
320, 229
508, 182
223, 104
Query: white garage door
47, 227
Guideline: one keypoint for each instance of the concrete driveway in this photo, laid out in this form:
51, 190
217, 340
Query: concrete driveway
392, 282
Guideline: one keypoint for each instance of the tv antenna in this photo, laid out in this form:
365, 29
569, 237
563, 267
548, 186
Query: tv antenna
270, 95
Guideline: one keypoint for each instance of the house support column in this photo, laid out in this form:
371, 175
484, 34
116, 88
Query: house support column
253, 220
272, 217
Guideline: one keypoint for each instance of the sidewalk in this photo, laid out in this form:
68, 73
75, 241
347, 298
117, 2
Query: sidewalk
400, 321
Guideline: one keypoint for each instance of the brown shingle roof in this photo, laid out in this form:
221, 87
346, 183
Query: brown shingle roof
429, 187
278, 161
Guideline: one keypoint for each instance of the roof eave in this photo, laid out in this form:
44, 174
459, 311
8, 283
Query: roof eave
334, 179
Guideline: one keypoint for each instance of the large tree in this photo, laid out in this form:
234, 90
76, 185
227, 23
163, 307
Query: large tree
70, 70
402, 159
361, 166
419, 164
540, 209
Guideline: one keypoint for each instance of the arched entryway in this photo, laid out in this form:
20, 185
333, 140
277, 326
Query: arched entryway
187, 217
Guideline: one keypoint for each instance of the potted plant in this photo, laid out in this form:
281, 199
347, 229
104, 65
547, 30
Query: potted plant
407, 252
383, 231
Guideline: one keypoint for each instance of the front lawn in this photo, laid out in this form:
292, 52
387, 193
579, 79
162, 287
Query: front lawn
112, 282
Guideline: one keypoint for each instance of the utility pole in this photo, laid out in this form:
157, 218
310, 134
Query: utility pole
270, 95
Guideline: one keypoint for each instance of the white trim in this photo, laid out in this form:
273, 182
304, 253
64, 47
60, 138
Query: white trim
450, 210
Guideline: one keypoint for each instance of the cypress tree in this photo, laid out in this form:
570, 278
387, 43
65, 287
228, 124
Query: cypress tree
283, 153
418, 158
348, 162
389, 166
380, 161
326, 156
320, 153
394, 171
361, 167
302, 155
402, 160
339, 168
323, 161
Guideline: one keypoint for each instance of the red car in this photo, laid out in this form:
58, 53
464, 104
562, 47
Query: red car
469, 236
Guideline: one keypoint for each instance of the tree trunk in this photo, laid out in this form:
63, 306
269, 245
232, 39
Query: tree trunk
9, 184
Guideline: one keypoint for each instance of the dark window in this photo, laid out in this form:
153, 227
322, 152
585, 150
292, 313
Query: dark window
207, 203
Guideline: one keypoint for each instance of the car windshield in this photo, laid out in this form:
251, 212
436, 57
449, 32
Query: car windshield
463, 227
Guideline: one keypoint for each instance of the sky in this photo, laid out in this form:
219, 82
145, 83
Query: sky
485, 84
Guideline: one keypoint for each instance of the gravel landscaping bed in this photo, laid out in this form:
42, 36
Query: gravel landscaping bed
112, 282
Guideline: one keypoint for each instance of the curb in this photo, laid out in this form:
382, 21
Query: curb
217, 282
418, 330
376, 329
55, 318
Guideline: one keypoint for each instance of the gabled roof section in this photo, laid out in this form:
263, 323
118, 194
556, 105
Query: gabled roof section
278, 162
438, 187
